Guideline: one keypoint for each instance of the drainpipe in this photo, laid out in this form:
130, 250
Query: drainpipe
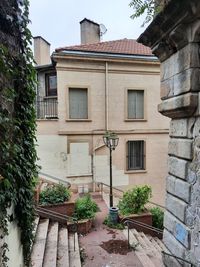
106, 123
106, 98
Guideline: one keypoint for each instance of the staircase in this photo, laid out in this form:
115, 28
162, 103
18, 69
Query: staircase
54, 246
147, 248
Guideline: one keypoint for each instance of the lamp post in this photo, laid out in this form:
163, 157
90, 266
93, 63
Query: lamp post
111, 141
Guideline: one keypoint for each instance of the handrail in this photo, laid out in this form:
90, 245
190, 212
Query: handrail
56, 178
126, 221
129, 221
178, 258
122, 191
60, 216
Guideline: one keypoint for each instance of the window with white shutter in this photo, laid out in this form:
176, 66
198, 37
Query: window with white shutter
135, 104
78, 103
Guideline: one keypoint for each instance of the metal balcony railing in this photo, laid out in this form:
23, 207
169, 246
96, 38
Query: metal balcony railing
47, 108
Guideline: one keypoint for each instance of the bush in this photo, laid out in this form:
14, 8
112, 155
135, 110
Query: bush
157, 217
85, 208
55, 194
110, 224
133, 200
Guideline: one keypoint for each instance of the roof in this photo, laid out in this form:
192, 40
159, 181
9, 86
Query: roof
123, 46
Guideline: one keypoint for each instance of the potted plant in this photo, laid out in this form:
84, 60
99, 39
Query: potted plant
85, 210
56, 198
132, 206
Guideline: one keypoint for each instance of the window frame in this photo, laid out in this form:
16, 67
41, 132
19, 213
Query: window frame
86, 87
47, 88
126, 104
135, 170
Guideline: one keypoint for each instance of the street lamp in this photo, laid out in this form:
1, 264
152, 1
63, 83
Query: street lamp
111, 141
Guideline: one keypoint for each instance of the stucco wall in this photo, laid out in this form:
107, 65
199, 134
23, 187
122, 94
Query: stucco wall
87, 157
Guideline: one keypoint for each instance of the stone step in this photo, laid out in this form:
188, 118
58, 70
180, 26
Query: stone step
148, 248
74, 253
157, 253
139, 251
154, 243
151, 245
37, 255
50, 256
63, 249
161, 245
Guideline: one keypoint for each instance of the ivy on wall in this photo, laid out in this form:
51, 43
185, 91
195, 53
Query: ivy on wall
17, 124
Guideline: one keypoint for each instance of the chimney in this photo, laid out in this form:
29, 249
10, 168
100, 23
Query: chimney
90, 31
41, 51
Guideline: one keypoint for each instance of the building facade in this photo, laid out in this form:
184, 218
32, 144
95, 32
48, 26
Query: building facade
86, 90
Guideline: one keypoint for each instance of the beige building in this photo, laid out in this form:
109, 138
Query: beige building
87, 89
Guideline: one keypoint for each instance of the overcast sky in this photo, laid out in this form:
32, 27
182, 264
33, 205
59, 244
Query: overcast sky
58, 21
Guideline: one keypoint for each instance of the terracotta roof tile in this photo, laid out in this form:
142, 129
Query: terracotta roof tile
123, 46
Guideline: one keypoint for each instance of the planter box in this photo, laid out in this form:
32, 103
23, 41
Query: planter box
66, 208
84, 226
143, 218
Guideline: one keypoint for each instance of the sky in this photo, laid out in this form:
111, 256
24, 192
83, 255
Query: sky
58, 21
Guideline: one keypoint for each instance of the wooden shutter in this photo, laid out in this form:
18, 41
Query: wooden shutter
78, 103
135, 104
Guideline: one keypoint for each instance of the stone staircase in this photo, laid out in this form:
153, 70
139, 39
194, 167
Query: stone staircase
54, 245
147, 248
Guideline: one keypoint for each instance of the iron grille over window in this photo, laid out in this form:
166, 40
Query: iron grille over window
47, 108
135, 104
135, 157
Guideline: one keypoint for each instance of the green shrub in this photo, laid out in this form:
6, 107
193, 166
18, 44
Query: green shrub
110, 224
157, 217
55, 194
85, 208
133, 200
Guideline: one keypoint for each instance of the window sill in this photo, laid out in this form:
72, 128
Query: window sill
135, 171
130, 120
47, 119
79, 120
78, 175
50, 97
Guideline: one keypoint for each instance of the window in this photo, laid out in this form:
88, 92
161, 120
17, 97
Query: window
51, 84
135, 157
135, 104
78, 103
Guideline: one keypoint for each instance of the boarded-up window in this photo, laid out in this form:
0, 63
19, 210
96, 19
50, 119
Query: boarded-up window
135, 104
78, 103
135, 156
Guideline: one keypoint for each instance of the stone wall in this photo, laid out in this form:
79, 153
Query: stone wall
174, 37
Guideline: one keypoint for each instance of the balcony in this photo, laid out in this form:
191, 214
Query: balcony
47, 109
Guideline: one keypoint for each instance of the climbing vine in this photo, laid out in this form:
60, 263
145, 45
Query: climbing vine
17, 126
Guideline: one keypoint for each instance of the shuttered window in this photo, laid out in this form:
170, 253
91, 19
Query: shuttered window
135, 155
135, 104
78, 103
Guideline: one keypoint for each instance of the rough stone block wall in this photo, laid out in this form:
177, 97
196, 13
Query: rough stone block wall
174, 37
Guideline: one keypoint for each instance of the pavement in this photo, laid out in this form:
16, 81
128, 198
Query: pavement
95, 255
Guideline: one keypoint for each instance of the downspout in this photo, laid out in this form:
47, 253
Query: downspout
106, 123
106, 98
